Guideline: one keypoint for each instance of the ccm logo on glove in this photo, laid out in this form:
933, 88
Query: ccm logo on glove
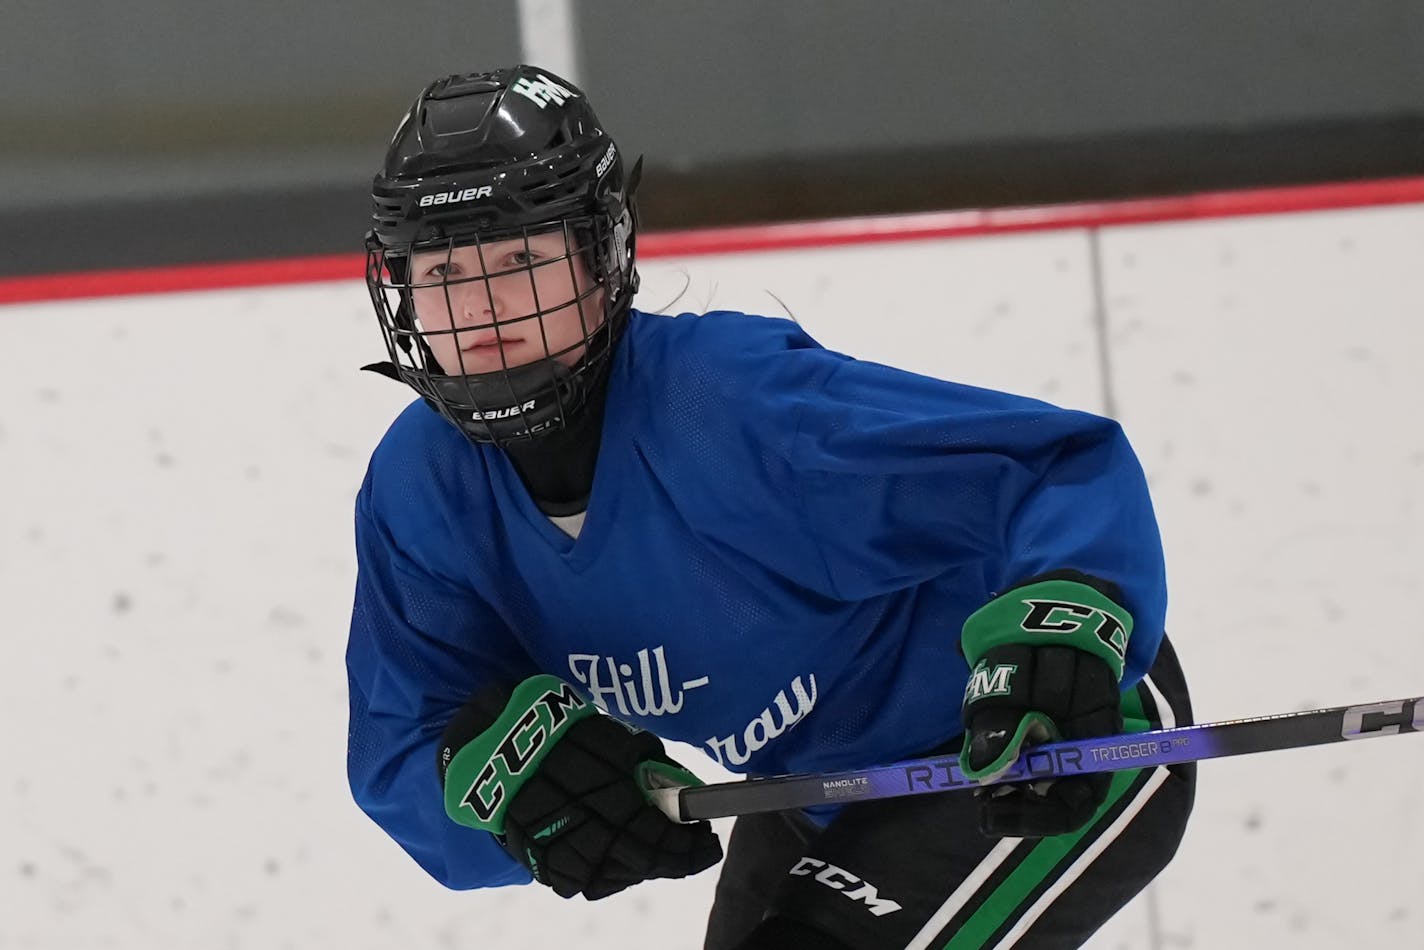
1048, 616
563, 788
544, 706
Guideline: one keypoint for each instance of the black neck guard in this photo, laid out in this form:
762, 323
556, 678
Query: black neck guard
557, 468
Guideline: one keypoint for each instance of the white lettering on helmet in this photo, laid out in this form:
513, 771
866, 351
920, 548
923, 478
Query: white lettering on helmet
606, 160
542, 91
456, 197
493, 414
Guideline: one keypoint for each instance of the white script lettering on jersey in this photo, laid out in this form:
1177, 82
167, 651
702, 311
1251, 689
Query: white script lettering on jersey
774, 720
649, 693
543, 91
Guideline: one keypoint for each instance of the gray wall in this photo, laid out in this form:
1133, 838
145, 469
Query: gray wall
158, 73
149, 96
700, 82
741, 78
744, 109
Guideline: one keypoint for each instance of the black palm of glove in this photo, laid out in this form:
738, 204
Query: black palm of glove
1047, 658
1078, 695
560, 785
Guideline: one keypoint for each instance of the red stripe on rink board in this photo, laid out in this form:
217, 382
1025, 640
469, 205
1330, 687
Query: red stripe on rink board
973, 223
762, 237
156, 280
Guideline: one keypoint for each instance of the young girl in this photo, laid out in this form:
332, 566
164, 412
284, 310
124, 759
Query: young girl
599, 526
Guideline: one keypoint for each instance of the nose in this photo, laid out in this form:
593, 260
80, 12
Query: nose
476, 303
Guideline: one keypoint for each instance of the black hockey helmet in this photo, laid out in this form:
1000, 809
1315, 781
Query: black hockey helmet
493, 157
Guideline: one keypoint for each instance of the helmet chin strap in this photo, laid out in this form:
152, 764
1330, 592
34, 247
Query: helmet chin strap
517, 403
550, 431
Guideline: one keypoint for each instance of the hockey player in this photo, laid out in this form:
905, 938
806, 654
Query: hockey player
598, 526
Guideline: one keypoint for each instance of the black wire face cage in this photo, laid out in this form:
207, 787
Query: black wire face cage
505, 334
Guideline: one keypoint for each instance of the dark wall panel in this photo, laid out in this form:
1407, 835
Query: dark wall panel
200, 131
744, 78
167, 77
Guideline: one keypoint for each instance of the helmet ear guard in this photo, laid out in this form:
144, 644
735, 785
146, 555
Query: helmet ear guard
491, 157
622, 247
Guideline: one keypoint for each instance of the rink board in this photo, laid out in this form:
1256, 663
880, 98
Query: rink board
176, 568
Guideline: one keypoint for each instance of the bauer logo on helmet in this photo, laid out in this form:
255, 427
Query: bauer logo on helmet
505, 413
456, 197
606, 160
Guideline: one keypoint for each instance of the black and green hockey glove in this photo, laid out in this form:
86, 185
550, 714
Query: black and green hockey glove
1045, 659
560, 785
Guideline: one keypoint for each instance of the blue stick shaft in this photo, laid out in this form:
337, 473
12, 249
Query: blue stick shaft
1077, 757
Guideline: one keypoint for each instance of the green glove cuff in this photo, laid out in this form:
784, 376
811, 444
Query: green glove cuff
487, 772
1051, 613
1034, 728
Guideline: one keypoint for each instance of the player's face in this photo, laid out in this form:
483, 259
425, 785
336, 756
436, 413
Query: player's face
505, 303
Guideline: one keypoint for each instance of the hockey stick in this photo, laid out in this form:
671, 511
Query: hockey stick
1209, 740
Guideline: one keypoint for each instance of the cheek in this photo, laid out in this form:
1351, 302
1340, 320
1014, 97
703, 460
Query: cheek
446, 353
552, 285
432, 310
570, 323
566, 331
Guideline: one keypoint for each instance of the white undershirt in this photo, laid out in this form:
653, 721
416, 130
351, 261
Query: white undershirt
570, 525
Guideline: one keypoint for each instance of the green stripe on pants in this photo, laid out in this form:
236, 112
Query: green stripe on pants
1048, 853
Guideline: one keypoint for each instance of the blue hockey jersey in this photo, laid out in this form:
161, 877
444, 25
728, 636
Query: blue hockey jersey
780, 548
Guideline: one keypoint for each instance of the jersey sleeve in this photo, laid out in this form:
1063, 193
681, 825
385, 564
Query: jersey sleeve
419, 646
905, 478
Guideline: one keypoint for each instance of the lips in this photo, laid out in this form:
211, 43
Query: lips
487, 340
